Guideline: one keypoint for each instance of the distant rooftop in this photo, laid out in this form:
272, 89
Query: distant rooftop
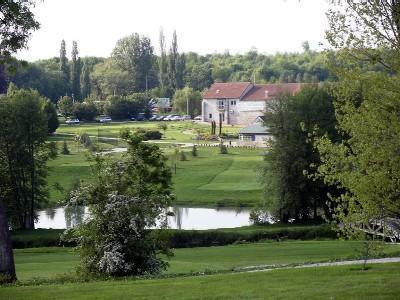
247, 91
254, 129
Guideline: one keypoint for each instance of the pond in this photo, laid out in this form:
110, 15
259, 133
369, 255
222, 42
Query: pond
184, 218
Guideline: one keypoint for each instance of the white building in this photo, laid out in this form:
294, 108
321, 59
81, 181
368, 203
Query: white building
240, 103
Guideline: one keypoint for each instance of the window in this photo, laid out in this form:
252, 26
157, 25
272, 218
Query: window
233, 102
221, 104
210, 116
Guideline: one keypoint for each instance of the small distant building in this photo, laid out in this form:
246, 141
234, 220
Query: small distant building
240, 103
162, 104
254, 135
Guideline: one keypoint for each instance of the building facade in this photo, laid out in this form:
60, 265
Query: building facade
240, 103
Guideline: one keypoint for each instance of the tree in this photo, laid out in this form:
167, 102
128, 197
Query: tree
163, 65
173, 62
86, 110
65, 149
127, 197
23, 139
66, 106
52, 119
75, 72
200, 77
188, 101
109, 79
289, 192
366, 37
64, 67
134, 54
15, 28
16, 25
85, 81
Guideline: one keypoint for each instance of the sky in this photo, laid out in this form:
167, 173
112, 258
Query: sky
206, 26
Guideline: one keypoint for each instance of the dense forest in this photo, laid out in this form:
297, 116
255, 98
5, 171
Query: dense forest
133, 67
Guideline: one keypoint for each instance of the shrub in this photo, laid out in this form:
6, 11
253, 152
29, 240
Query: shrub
189, 238
194, 150
182, 156
222, 148
65, 149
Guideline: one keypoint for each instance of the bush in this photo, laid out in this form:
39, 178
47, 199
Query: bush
194, 150
153, 135
190, 238
182, 156
65, 149
223, 149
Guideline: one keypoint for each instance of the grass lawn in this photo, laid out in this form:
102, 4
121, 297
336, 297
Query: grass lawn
345, 282
47, 262
210, 179
214, 179
176, 131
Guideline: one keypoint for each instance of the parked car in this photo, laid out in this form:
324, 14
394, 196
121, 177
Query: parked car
105, 119
187, 117
141, 117
176, 118
198, 118
153, 118
168, 118
72, 121
160, 118
132, 118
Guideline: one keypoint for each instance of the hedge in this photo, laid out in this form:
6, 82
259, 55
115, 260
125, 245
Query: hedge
191, 238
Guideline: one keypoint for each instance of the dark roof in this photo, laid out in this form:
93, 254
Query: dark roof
261, 92
254, 129
231, 90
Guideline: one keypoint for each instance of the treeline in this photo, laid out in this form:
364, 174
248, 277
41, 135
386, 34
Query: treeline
133, 67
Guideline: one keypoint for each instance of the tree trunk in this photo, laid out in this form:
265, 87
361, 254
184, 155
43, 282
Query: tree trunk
7, 266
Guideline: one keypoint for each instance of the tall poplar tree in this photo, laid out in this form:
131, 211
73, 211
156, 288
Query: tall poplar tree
85, 81
162, 64
64, 68
75, 72
172, 62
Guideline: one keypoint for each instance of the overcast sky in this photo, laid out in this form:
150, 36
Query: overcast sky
205, 26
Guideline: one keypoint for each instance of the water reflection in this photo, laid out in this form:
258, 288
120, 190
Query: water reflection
183, 218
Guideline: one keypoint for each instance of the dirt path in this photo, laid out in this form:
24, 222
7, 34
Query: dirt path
266, 268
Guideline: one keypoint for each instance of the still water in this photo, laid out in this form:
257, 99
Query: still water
184, 218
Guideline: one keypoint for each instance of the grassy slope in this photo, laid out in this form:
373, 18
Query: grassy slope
214, 179
47, 262
346, 282
211, 179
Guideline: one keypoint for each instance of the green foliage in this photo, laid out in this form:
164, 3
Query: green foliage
135, 190
52, 119
163, 126
134, 54
66, 106
187, 100
289, 192
366, 163
182, 156
17, 23
86, 110
222, 148
65, 149
194, 151
75, 72
23, 153
123, 107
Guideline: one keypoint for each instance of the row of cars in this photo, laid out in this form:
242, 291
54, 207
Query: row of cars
140, 117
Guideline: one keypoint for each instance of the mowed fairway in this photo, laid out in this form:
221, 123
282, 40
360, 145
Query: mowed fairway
214, 179
48, 262
345, 282
211, 179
